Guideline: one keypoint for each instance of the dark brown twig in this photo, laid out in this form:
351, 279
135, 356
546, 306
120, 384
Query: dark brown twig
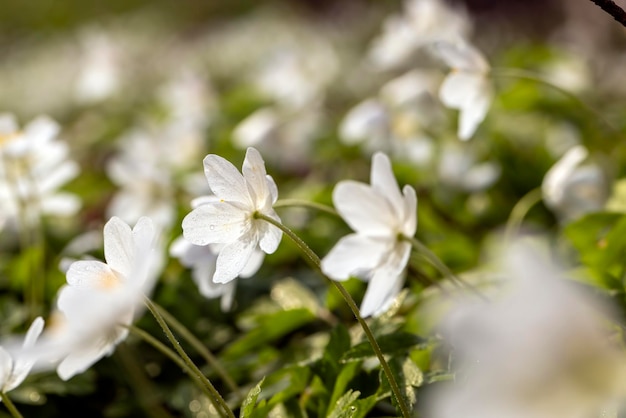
613, 9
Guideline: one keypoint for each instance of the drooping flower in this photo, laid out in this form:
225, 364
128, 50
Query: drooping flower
14, 366
33, 166
467, 87
539, 349
379, 214
231, 218
101, 298
571, 188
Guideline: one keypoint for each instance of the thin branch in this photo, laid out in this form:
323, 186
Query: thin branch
613, 9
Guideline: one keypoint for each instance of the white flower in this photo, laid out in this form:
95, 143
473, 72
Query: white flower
14, 366
230, 220
100, 298
467, 87
538, 350
572, 189
458, 168
33, 165
424, 22
379, 214
99, 68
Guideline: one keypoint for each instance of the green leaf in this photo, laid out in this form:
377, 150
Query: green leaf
270, 327
407, 375
345, 375
281, 386
391, 344
250, 402
344, 407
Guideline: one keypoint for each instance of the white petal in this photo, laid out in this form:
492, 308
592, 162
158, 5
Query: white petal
255, 128
41, 129
269, 235
353, 255
364, 209
118, 246
386, 281
474, 112
271, 184
6, 365
225, 181
362, 121
202, 275
254, 264
233, 258
58, 176
143, 235
384, 182
23, 365
255, 175
90, 274
60, 204
555, 180
215, 223
410, 211
461, 56
80, 360
8, 124
459, 88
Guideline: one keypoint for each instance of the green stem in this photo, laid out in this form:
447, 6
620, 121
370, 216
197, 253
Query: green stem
200, 347
287, 203
538, 78
441, 266
10, 406
311, 256
519, 211
223, 408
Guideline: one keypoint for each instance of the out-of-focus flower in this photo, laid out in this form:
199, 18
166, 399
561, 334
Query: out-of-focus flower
98, 77
33, 165
467, 87
394, 121
423, 23
539, 350
101, 298
572, 189
458, 168
379, 213
230, 219
14, 367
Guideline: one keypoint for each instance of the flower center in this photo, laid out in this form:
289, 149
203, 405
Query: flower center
109, 281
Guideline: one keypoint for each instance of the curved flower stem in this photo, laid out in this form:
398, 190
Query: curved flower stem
519, 211
200, 347
206, 383
441, 266
538, 78
10, 406
286, 203
315, 260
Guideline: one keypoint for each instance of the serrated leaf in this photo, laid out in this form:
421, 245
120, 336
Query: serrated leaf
250, 402
391, 344
291, 294
344, 407
407, 375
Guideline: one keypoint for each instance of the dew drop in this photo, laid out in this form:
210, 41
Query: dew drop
212, 227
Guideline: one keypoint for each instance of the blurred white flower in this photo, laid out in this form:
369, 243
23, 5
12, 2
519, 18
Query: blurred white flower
539, 350
394, 121
571, 188
467, 87
458, 168
33, 165
230, 220
99, 68
101, 298
379, 213
423, 23
14, 367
